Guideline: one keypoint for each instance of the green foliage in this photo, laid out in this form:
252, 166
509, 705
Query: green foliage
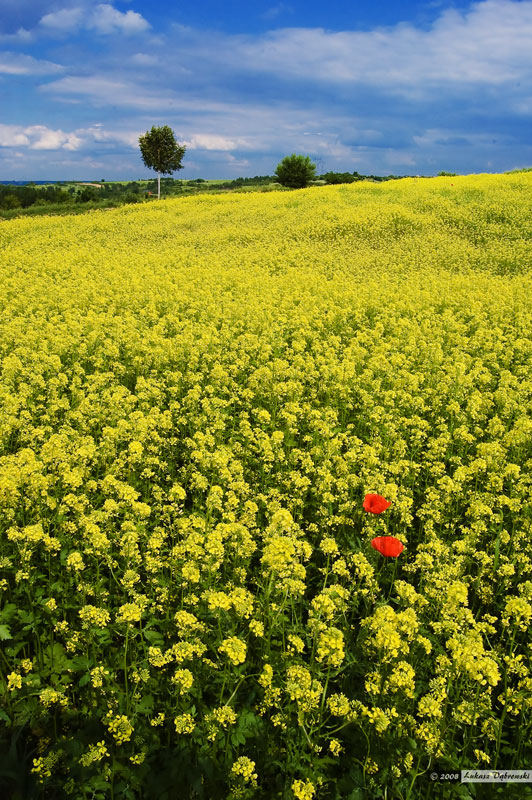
160, 151
295, 171
12, 197
339, 177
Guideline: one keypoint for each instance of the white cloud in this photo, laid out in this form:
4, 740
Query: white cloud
22, 36
12, 136
97, 133
106, 19
104, 92
66, 20
20, 64
488, 44
202, 141
144, 60
38, 137
100, 89
103, 18
43, 138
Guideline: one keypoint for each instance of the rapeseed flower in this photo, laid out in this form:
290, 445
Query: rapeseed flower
303, 790
244, 768
235, 650
184, 723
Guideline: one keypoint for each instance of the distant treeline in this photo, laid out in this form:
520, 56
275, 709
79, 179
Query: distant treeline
15, 197
327, 177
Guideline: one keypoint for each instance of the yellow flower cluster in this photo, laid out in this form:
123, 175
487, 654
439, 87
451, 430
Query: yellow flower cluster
235, 650
519, 610
120, 728
129, 612
14, 681
49, 696
470, 658
95, 753
75, 562
97, 676
390, 632
91, 615
303, 790
244, 768
44, 766
301, 687
184, 723
331, 647
184, 679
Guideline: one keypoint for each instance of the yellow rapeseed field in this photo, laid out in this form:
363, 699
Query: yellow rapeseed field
196, 397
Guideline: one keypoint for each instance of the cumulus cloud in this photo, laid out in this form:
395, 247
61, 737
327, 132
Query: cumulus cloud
202, 141
102, 18
38, 137
21, 36
43, 138
106, 19
20, 64
144, 60
488, 44
97, 133
66, 20
12, 136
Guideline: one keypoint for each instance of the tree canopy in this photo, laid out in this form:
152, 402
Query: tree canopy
295, 171
161, 152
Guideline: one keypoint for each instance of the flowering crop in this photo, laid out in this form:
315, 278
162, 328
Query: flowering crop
196, 397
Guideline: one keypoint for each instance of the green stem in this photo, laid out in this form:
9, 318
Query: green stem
503, 715
416, 775
125, 669
470, 730
325, 691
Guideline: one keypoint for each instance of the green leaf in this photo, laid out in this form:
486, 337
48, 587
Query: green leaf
81, 663
83, 681
8, 612
26, 617
56, 659
154, 637
145, 705
5, 633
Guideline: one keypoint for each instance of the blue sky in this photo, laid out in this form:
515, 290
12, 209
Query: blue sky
378, 87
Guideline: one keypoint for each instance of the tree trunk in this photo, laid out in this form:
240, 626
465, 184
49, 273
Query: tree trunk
158, 186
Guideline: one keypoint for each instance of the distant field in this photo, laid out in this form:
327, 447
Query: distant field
197, 396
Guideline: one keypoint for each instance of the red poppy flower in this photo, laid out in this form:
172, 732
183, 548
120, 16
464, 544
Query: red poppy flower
387, 546
375, 503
